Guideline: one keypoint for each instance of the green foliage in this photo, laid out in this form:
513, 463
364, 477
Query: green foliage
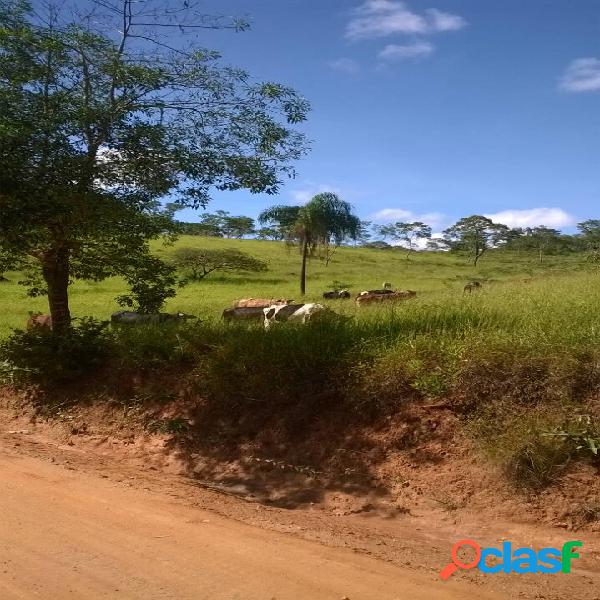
304, 368
543, 240
97, 129
41, 356
7, 262
151, 282
538, 462
323, 221
475, 235
220, 224
406, 233
197, 263
582, 433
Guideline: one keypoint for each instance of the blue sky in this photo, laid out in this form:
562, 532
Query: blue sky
434, 110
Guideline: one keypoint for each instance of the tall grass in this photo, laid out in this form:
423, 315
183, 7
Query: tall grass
435, 277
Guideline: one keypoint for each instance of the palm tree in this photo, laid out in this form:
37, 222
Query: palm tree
324, 220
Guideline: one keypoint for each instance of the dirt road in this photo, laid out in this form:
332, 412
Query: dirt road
67, 534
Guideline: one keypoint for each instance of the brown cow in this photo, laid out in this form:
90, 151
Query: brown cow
38, 320
472, 285
260, 302
370, 298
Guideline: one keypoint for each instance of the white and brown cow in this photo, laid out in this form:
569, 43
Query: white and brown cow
260, 302
298, 313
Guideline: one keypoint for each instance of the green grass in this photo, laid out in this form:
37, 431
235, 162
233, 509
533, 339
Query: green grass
437, 277
516, 360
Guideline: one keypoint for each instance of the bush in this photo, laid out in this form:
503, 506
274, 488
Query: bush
299, 371
156, 346
43, 357
538, 461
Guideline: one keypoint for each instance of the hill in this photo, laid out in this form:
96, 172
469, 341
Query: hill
432, 275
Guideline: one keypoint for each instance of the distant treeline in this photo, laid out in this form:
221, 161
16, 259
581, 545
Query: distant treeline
474, 234
223, 224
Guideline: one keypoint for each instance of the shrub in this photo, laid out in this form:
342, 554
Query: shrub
582, 433
299, 371
538, 461
151, 346
44, 357
151, 283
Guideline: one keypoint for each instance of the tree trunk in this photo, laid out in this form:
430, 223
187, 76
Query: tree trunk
540, 254
303, 270
55, 269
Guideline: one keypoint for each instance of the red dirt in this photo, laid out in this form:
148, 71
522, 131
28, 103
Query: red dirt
422, 496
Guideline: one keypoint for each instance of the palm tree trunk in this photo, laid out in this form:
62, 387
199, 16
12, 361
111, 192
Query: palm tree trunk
303, 270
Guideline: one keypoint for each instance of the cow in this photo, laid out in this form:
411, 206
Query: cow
300, 313
370, 298
129, 317
36, 320
472, 285
380, 292
386, 285
336, 295
243, 313
259, 302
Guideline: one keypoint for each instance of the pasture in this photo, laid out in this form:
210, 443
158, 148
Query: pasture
509, 279
517, 360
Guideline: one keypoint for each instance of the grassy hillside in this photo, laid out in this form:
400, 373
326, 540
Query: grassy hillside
435, 276
514, 369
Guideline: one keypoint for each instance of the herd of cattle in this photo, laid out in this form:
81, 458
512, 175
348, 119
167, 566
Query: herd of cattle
266, 310
270, 310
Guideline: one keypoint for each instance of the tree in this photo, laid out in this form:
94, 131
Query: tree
590, 236
406, 233
363, 235
202, 229
590, 230
437, 245
197, 263
386, 231
541, 239
269, 233
475, 235
238, 227
324, 220
96, 129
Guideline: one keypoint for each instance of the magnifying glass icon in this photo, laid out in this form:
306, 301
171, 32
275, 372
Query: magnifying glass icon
456, 563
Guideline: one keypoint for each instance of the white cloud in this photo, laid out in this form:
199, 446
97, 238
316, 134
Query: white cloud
441, 21
436, 220
345, 65
381, 18
415, 50
532, 217
302, 196
582, 75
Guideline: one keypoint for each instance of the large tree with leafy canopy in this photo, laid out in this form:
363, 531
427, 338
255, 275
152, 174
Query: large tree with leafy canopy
105, 114
475, 235
406, 233
323, 221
